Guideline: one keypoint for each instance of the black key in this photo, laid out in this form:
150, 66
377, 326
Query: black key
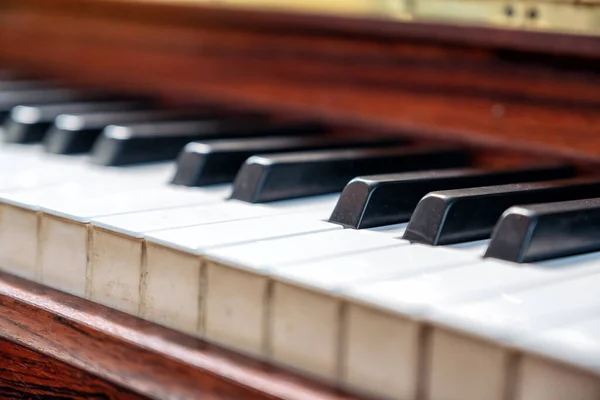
462, 215
12, 98
379, 200
29, 124
76, 133
546, 231
202, 164
287, 176
158, 141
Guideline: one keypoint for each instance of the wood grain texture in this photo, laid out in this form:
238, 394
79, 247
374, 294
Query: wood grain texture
145, 359
25, 374
477, 87
492, 89
190, 15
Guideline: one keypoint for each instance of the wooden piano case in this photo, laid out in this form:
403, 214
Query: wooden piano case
497, 90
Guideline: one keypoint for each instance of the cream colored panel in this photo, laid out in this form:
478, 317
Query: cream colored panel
552, 15
309, 6
561, 17
478, 12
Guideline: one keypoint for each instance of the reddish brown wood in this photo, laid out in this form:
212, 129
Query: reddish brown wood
126, 352
25, 374
315, 25
492, 89
454, 83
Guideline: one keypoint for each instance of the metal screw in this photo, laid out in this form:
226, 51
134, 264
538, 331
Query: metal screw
532, 13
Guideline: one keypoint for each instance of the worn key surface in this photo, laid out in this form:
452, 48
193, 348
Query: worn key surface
463, 215
546, 231
380, 200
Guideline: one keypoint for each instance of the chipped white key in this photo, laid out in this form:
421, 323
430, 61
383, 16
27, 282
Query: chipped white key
173, 282
237, 279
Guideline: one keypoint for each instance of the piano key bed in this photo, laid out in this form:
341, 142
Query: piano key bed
386, 268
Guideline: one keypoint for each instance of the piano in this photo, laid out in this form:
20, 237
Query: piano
303, 200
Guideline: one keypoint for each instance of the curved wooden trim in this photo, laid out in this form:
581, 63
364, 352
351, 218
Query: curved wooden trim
139, 356
554, 43
403, 84
28, 374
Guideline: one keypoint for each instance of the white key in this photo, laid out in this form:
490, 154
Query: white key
561, 362
119, 241
19, 247
261, 255
173, 281
502, 317
71, 265
237, 279
138, 224
30, 173
498, 322
40, 175
93, 183
32, 154
404, 301
481, 279
305, 308
28, 169
576, 343
21, 157
541, 378
478, 247
18, 215
134, 200
198, 239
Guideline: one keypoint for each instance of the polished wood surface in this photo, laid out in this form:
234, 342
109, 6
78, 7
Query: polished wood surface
483, 87
26, 374
54, 344
495, 90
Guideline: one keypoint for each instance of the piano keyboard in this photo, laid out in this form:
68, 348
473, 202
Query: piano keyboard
391, 269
